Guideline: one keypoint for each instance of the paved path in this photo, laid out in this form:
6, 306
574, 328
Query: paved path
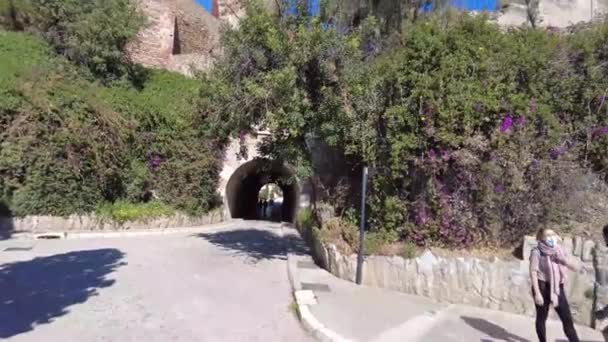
344, 311
227, 284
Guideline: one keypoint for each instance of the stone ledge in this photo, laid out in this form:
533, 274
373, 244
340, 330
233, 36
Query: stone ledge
497, 284
34, 225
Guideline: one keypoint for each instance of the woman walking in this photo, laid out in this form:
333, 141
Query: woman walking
548, 265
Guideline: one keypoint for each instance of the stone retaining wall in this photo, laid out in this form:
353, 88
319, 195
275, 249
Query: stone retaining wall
495, 284
54, 224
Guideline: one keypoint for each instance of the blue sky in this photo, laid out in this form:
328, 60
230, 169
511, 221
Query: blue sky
206, 4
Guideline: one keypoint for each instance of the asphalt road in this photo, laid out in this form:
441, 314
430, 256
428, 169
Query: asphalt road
226, 284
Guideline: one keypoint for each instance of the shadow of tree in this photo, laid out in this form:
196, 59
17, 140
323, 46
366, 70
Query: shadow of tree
6, 221
37, 291
256, 244
495, 331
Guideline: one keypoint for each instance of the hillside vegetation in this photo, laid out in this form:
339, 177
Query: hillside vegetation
70, 143
475, 136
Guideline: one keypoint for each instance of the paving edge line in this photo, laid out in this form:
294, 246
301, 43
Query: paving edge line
112, 234
416, 327
309, 321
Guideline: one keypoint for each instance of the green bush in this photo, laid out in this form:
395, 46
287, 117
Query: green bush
305, 219
474, 133
91, 33
68, 144
409, 251
122, 212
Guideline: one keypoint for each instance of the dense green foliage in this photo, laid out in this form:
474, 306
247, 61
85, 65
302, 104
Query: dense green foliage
473, 134
68, 144
91, 33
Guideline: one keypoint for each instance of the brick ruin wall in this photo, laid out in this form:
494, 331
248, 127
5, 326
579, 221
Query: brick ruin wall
154, 44
181, 36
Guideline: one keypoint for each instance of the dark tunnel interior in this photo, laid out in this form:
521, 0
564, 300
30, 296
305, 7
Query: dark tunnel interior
245, 183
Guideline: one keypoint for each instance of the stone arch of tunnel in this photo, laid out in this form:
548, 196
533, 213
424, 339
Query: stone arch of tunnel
247, 180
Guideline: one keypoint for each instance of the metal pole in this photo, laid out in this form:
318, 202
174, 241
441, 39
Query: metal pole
362, 228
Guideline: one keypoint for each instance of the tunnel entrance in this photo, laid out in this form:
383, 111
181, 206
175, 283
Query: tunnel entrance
246, 185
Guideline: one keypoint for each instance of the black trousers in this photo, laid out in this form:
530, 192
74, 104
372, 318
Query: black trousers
563, 311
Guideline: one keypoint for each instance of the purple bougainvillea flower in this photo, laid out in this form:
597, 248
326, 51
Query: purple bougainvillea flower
421, 216
599, 132
154, 161
499, 188
557, 152
507, 122
445, 155
520, 121
432, 154
535, 163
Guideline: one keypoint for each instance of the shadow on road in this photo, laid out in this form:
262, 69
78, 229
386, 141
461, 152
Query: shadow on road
37, 291
6, 221
256, 244
494, 331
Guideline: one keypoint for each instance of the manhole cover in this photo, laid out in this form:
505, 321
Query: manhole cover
316, 287
48, 236
18, 249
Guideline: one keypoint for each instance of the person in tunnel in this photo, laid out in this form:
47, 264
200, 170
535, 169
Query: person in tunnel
258, 209
271, 210
264, 209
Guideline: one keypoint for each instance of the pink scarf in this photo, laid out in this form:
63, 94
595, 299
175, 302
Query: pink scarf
555, 260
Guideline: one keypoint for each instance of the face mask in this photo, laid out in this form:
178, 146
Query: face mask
550, 242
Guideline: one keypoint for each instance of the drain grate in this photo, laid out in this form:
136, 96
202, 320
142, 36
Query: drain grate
306, 264
49, 236
316, 287
18, 249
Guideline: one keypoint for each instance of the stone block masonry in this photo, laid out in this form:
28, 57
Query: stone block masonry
154, 44
92, 223
494, 284
181, 36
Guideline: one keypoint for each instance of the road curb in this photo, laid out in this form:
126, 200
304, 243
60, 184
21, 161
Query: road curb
309, 321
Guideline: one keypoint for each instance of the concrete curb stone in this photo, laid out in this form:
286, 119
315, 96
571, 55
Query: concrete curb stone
309, 321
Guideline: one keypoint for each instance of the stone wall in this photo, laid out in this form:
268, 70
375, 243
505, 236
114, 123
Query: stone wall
154, 44
601, 289
77, 223
181, 36
495, 284
197, 30
555, 13
231, 11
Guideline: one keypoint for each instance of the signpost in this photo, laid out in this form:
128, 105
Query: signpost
362, 227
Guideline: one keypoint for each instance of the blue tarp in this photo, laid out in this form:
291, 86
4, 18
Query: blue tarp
206, 4
314, 7
466, 5
474, 5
